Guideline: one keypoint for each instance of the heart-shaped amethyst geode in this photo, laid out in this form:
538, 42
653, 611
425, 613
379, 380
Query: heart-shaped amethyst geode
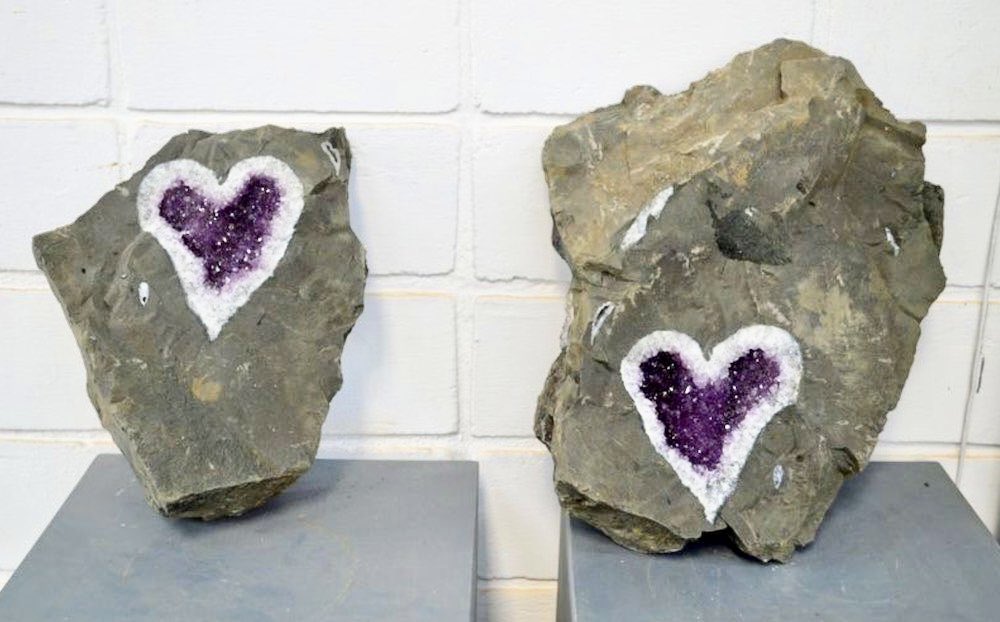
777, 191
223, 239
248, 229
703, 416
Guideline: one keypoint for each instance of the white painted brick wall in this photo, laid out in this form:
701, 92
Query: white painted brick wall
52, 172
518, 515
575, 55
985, 424
968, 168
53, 52
44, 383
516, 341
512, 222
404, 181
447, 104
924, 58
399, 369
935, 392
387, 56
516, 601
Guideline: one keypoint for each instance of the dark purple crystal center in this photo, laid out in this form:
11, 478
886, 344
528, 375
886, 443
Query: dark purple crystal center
227, 238
698, 419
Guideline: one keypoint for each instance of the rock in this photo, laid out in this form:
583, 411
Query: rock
751, 260
212, 316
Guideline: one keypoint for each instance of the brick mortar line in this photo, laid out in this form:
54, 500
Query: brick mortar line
380, 285
385, 285
517, 583
117, 109
179, 117
524, 578
97, 436
521, 444
466, 296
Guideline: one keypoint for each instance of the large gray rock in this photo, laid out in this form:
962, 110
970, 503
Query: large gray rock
215, 395
775, 201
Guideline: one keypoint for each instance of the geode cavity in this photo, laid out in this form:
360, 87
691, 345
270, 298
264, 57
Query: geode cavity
211, 295
697, 419
774, 194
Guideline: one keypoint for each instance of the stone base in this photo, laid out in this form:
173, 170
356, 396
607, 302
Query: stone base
900, 543
350, 540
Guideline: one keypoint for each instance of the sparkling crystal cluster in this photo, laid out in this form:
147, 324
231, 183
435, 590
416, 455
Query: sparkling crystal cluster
698, 419
227, 238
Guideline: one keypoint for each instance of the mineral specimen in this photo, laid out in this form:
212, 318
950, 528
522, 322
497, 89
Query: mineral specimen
775, 216
211, 295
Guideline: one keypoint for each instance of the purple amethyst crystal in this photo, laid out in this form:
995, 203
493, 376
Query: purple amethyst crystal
698, 419
227, 238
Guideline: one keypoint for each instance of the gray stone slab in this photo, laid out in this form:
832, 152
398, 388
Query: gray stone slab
351, 540
900, 543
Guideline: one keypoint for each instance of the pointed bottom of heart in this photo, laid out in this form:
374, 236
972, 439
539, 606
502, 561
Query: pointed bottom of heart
641, 534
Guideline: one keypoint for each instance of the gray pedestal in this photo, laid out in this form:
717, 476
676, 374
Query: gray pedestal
900, 543
351, 540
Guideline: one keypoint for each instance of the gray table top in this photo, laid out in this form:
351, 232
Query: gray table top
351, 540
900, 543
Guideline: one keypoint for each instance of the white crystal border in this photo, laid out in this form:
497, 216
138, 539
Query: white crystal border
712, 488
214, 308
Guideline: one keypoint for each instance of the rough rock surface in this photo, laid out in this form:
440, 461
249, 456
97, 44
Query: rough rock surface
214, 427
776, 191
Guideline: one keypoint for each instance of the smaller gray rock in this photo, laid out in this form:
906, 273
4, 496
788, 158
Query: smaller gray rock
211, 295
